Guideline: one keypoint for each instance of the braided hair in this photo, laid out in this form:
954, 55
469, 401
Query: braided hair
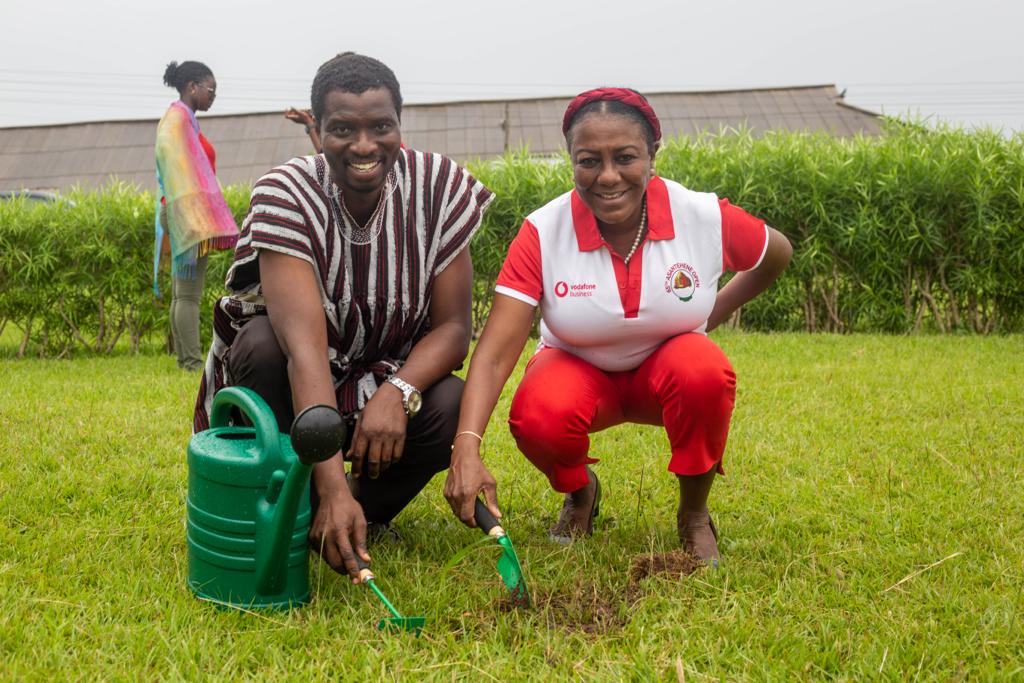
178, 76
354, 73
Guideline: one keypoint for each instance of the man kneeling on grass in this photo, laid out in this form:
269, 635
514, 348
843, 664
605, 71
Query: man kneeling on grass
351, 286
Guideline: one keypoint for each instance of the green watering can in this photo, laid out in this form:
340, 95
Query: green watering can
248, 502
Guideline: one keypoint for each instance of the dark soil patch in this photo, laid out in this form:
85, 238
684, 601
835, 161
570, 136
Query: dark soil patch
677, 563
589, 608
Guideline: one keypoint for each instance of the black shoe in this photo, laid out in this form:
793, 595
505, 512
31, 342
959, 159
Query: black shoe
381, 532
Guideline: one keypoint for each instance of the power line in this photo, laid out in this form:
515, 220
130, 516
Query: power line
153, 76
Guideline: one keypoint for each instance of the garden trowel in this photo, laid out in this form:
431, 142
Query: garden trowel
508, 564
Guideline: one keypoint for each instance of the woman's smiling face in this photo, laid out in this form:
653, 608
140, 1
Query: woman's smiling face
611, 167
361, 139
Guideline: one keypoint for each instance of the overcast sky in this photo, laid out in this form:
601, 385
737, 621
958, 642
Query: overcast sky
64, 61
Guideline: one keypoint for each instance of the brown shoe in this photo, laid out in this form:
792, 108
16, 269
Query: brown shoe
698, 535
578, 520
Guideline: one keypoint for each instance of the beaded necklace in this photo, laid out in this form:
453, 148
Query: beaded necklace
639, 234
350, 228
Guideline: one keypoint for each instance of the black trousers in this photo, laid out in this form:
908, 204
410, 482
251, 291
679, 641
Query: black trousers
256, 361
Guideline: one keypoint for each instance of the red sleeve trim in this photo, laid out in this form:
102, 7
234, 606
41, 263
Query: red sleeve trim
522, 271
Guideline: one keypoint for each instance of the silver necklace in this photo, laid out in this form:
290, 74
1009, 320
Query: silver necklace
351, 231
639, 234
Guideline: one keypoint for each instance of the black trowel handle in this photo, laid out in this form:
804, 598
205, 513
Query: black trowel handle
364, 570
485, 520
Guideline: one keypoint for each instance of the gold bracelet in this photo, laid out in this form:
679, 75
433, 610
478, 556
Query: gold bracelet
466, 432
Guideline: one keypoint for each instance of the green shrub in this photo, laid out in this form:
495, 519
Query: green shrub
75, 273
913, 230
916, 229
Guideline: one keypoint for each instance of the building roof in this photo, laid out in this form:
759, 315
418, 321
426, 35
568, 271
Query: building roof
60, 156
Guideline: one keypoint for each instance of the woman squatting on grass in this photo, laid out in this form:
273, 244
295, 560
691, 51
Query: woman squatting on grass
625, 270
351, 286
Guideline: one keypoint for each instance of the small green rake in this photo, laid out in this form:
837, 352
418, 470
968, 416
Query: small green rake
393, 623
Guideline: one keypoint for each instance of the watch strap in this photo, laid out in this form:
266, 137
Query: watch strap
402, 385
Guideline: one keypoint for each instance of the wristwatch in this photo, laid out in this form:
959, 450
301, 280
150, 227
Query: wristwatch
412, 399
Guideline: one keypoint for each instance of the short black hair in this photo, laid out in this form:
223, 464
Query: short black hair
178, 76
611, 107
354, 73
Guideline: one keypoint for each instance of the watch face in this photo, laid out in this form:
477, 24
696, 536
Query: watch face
414, 402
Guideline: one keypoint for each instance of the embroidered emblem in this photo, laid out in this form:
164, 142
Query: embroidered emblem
682, 281
561, 289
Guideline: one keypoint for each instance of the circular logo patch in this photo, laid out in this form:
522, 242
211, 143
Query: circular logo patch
682, 281
561, 289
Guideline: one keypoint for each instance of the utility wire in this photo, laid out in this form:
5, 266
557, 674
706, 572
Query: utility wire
155, 76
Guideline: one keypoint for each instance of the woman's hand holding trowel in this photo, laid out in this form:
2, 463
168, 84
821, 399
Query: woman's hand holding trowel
468, 477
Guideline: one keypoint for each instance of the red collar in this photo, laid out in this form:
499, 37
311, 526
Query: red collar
659, 217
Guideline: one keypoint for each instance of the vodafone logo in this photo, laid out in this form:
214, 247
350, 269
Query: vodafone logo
577, 289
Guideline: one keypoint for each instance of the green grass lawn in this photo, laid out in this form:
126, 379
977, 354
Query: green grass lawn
854, 462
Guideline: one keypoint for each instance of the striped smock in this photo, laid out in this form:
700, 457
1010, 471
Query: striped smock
375, 282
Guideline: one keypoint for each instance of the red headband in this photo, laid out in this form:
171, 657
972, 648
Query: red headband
624, 95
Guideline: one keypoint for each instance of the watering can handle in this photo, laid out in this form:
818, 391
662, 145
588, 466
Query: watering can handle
254, 407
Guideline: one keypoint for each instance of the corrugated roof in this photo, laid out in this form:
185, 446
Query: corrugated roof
57, 157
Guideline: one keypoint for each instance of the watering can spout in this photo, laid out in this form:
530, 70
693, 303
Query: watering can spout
317, 433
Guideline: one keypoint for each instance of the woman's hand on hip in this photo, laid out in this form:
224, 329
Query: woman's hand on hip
467, 478
338, 532
379, 438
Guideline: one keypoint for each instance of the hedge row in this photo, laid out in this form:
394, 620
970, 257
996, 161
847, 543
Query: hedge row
77, 274
912, 230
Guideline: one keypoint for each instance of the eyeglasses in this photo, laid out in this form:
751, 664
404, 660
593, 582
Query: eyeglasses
212, 91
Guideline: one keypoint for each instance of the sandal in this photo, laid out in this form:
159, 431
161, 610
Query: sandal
696, 521
564, 530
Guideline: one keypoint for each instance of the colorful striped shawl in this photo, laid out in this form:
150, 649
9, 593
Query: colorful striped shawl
198, 218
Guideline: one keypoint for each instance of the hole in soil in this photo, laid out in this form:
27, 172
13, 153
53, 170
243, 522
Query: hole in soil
677, 563
588, 608
592, 609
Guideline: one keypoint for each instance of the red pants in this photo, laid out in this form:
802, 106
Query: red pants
687, 385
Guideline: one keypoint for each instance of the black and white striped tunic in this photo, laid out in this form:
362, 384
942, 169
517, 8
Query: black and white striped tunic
376, 295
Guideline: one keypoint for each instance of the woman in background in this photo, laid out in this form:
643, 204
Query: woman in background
192, 216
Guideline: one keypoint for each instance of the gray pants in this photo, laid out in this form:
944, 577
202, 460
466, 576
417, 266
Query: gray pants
185, 298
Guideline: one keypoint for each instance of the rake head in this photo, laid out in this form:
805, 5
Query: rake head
394, 624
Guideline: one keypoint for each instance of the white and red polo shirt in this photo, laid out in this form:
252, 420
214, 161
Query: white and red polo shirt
614, 315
